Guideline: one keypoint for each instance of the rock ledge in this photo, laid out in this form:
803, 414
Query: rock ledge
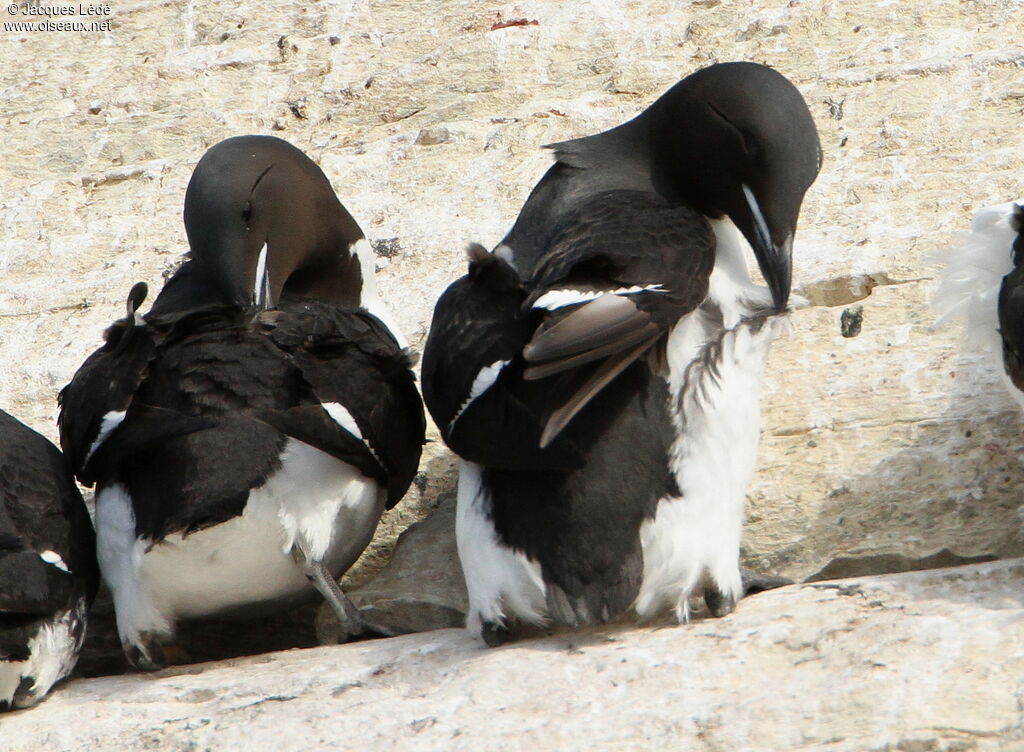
927, 660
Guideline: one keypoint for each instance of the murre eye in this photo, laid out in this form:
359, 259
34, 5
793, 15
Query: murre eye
750, 146
247, 213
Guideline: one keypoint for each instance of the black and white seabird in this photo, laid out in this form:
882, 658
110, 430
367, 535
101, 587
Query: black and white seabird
247, 433
48, 573
599, 374
983, 282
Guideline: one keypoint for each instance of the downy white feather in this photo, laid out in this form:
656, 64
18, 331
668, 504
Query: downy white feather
968, 288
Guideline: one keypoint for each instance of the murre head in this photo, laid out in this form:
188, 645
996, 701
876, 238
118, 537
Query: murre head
263, 220
738, 139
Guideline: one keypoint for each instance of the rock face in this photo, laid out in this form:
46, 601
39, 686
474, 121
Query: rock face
920, 661
889, 448
428, 118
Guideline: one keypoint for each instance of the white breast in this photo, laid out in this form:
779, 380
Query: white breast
716, 358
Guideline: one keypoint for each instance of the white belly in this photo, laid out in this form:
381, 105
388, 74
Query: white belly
315, 505
716, 360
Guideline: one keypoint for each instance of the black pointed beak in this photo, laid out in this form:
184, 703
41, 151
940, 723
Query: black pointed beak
776, 262
774, 258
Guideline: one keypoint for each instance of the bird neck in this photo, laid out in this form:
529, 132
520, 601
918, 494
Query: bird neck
340, 279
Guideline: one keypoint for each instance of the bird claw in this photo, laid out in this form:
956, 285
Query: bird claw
717, 602
494, 634
147, 654
361, 628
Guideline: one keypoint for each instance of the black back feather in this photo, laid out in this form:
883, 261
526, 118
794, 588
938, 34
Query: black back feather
211, 395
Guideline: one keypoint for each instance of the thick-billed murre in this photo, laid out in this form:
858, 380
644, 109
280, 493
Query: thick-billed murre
246, 434
599, 374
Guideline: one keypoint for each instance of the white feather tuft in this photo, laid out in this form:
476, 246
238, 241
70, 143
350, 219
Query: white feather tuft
53, 651
974, 270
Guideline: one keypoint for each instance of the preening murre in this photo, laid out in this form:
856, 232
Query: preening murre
246, 434
48, 572
633, 358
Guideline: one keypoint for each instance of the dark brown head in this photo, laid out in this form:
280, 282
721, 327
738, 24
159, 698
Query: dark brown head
737, 139
262, 220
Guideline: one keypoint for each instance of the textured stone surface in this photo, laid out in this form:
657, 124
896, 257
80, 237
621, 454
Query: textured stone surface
920, 661
882, 450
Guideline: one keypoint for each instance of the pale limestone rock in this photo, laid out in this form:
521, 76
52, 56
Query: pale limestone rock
882, 450
920, 661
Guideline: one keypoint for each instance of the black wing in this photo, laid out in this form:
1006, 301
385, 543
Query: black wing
191, 446
472, 372
348, 357
220, 389
622, 269
41, 512
104, 386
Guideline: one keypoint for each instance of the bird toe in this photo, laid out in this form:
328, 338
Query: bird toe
494, 634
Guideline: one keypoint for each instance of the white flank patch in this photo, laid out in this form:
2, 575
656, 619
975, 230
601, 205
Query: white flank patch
54, 558
10, 677
368, 297
110, 421
53, 652
343, 418
499, 581
120, 555
484, 380
316, 504
696, 536
555, 299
